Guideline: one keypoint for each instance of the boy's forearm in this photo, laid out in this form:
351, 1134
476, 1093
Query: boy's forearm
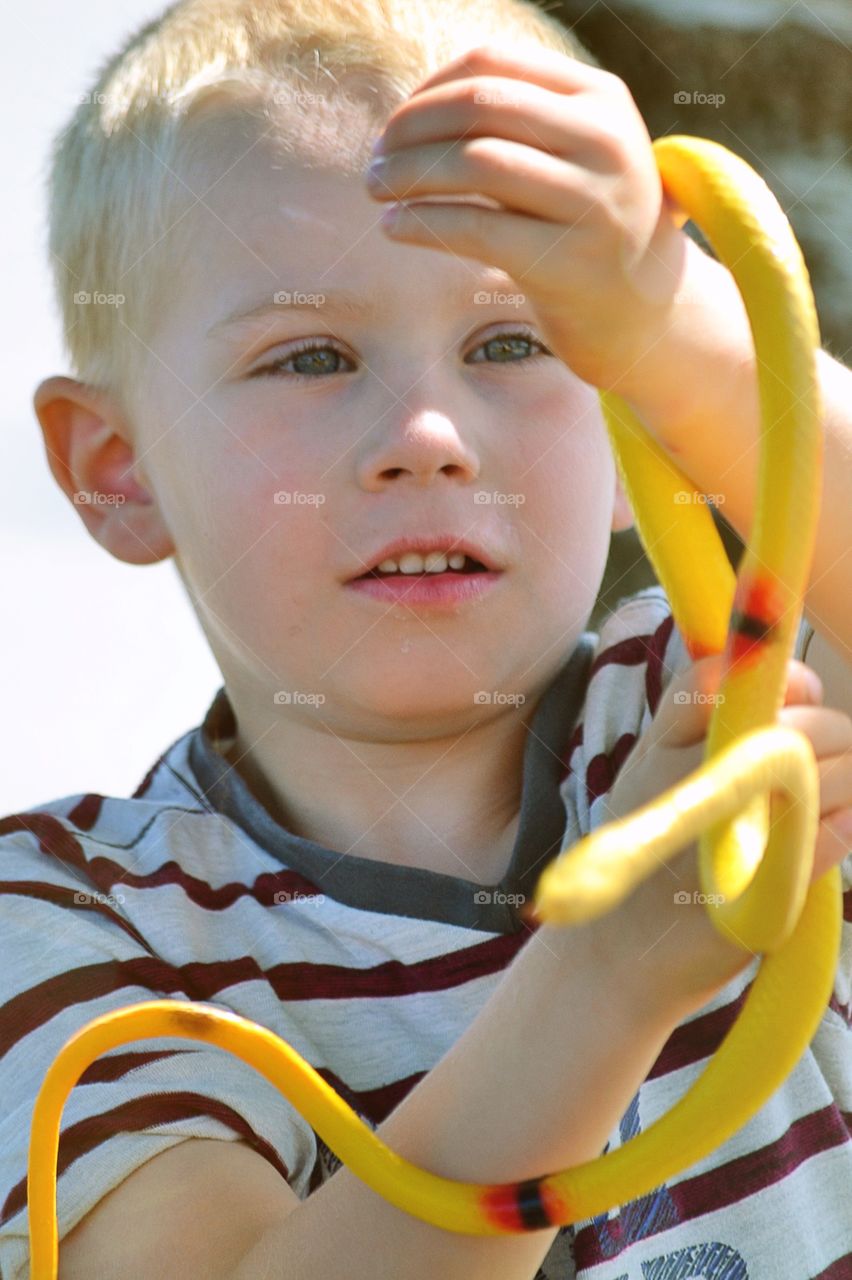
536, 1084
694, 386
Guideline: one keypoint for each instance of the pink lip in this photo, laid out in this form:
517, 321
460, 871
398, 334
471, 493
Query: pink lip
440, 590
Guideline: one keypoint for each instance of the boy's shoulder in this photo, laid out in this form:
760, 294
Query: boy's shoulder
61, 835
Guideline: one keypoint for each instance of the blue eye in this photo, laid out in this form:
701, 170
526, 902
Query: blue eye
311, 367
503, 348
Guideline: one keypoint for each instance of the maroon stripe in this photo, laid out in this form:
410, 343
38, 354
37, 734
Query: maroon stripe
392, 978
135, 1115
294, 981
654, 670
841, 1269
375, 1104
745, 1175
52, 835
85, 814
103, 873
603, 768
62, 896
34, 1007
847, 906
107, 1070
698, 1039
628, 652
718, 1188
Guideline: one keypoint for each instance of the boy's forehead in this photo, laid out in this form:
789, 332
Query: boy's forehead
275, 223
314, 184
264, 194
327, 137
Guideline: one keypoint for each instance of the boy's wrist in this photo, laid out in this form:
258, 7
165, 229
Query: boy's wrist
657, 956
634, 986
697, 349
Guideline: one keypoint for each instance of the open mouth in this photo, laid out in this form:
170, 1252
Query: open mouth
470, 566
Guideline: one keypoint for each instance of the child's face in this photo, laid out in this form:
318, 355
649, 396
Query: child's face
394, 437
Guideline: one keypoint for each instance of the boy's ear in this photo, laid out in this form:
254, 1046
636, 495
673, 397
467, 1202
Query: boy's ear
622, 512
86, 439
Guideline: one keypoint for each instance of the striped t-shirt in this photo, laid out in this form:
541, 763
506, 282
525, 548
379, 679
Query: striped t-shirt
189, 890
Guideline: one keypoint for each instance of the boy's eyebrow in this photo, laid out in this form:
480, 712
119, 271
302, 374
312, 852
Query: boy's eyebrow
343, 302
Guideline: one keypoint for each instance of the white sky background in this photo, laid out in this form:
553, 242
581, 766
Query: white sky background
103, 664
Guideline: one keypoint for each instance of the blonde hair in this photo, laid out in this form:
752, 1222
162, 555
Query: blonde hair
118, 184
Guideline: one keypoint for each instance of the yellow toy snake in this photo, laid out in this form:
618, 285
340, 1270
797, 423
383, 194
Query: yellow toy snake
761, 868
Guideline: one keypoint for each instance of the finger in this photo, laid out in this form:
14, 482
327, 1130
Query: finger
523, 113
832, 846
692, 695
835, 789
803, 684
519, 177
547, 67
687, 702
513, 242
828, 730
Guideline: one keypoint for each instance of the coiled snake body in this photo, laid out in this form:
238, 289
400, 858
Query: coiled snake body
760, 869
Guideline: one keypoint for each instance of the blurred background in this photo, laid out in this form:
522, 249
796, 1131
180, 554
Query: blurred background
103, 663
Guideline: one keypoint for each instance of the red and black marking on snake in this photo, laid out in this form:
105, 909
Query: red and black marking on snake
754, 620
523, 1206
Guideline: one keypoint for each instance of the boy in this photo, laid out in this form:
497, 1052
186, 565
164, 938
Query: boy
339, 852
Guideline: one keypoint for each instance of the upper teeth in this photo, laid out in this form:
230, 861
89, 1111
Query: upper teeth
432, 562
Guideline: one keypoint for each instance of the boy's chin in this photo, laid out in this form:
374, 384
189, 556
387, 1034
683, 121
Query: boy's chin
429, 698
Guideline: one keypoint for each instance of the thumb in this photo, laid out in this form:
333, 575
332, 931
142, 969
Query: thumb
687, 703
692, 695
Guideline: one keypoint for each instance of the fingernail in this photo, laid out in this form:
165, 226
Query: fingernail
810, 681
814, 685
375, 170
391, 215
378, 146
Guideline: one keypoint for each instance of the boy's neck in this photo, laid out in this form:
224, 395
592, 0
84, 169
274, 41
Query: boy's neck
458, 813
